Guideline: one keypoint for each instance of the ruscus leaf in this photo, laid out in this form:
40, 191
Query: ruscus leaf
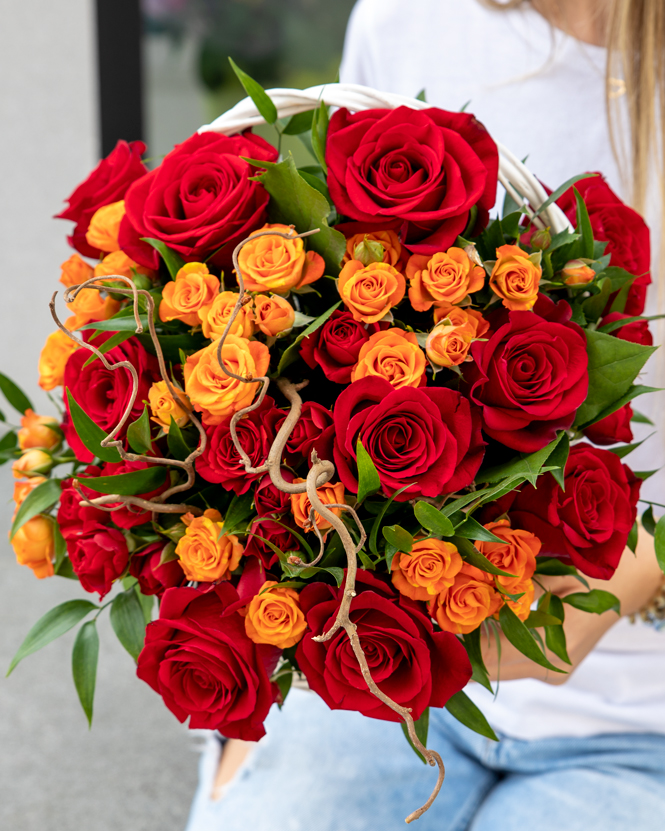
368, 476
128, 621
596, 601
465, 711
38, 500
138, 433
259, 96
84, 666
174, 262
14, 395
90, 434
520, 637
433, 520
127, 484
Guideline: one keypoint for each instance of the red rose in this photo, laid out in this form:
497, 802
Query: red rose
428, 438
530, 376
335, 345
635, 332
268, 499
612, 429
275, 534
107, 183
199, 199
221, 462
155, 578
99, 556
314, 430
411, 663
72, 515
198, 657
129, 515
427, 168
589, 523
104, 393
621, 227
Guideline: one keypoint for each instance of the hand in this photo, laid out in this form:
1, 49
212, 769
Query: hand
634, 583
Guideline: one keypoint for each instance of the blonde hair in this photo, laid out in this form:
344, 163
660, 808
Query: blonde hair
635, 70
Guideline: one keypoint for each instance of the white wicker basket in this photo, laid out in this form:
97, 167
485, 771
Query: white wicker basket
515, 177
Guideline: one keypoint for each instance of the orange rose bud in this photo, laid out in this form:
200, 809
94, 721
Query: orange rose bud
577, 273
274, 315
193, 288
89, 305
119, 263
163, 406
206, 555
34, 545
466, 604
370, 292
515, 278
104, 227
36, 431
214, 316
24, 486
275, 616
429, 569
329, 494
516, 555
375, 246
394, 355
277, 264
75, 271
211, 391
33, 462
53, 359
446, 277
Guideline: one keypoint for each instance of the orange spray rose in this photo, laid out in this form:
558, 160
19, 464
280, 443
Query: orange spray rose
36, 431
214, 316
388, 240
104, 226
447, 276
577, 273
278, 264
53, 358
24, 486
75, 271
329, 494
275, 616
89, 305
33, 462
467, 603
273, 315
211, 391
206, 554
394, 355
370, 292
163, 406
193, 288
119, 263
515, 278
34, 545
428, 570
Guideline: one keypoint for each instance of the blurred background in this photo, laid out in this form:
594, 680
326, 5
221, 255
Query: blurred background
77, 75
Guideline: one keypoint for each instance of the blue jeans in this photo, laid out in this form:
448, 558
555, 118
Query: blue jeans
319, 770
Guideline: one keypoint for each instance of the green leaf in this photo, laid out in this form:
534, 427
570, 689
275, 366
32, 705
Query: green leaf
624, 450
421, 97
128, 621
595, 601
284, 681
640, 418
172, 345
659, 542
558, 459
127, 484
319, 134
294, 202
54, 623
14, 395
631, 542
555, 636
147, 602
8, 442
84, 666
398, 537
584, 226
473, 648
471, 554
374, 534
117, 324
256, 92
292, 353
38, 500
138, 433
648, 521
60, 548
114, 340
238, 513
524, 467
66, 569
538, 619
561, 190
174, 262
368, 477
177, 445
465, 711
555, 568
421, 727
299, 123
433, 520
470, 529
613, 366
90, 434
593, 306
633, 392
520, 637
316, 183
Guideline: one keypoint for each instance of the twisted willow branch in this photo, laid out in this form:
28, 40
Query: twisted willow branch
320, 472
156, 505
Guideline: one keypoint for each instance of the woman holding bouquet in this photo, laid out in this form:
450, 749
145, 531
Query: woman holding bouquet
547, 78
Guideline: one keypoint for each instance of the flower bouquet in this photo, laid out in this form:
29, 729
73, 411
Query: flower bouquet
333, 422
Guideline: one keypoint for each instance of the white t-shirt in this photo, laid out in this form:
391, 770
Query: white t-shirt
541, 93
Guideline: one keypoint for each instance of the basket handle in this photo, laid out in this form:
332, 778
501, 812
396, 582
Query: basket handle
514, 175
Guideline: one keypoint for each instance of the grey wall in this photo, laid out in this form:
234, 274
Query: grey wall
136, 768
